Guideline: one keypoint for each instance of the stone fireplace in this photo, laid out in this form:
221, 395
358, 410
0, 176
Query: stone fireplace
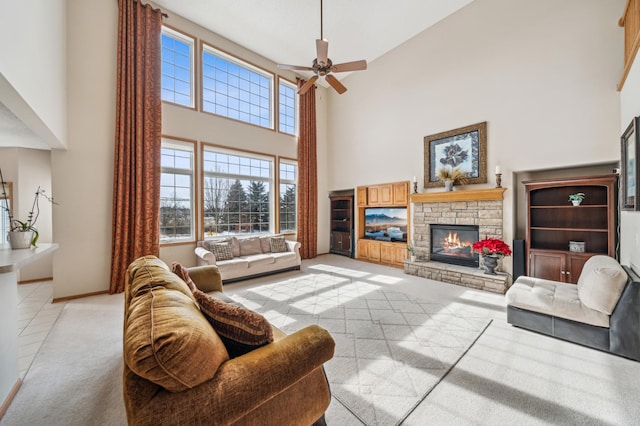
480, 209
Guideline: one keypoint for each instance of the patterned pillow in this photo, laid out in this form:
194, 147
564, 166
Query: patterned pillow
240, 329
222, 251
278, 245
183, 273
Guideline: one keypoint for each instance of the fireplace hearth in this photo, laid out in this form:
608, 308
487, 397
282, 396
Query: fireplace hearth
453, 244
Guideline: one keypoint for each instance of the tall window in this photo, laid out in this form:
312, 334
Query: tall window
177, 67
5, 203
237, 188
176, 192
235, 89
288, 107
288, 192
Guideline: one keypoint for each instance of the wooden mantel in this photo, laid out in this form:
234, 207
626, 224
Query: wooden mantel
463, 195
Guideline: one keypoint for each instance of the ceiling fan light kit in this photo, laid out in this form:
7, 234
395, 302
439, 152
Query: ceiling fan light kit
322, 66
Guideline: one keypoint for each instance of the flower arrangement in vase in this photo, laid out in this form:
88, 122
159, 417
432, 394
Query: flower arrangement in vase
492, 249
577, 198
450, 176
411, 251
23, 233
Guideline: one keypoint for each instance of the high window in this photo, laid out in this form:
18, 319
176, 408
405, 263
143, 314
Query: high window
237, 192
177, 67
236, 89
288, 192
287, 107
176, 192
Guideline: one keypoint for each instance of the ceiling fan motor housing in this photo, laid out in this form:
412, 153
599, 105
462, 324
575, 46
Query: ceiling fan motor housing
321, 68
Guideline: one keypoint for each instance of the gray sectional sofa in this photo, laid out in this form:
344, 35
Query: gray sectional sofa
251, 256
602, 311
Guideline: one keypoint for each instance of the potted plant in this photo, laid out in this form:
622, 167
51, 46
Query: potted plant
410, 249
451, 176
577, 198
23, 233
492, 249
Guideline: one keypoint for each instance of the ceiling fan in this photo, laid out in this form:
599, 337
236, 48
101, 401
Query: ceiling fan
323, 67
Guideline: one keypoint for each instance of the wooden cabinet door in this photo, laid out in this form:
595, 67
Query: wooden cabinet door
363, 249
399, 254
386, 194
400, 193
373, 195
374, 251
386, 253
547, 265
575, 263
362, 196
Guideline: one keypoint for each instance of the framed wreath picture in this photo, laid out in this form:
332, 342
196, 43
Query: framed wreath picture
630, 145
464, 148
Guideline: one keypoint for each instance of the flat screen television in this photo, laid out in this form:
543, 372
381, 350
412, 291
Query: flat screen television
386, 224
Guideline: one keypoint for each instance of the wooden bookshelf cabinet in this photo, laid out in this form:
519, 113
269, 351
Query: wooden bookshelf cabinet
341, 241
552, 222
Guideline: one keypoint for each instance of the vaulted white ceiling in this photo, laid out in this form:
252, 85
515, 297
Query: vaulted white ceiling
285, 31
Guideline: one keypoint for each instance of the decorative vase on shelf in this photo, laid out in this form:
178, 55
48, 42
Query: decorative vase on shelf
448, 185
413, 257
490, 264
20, 239
576, 202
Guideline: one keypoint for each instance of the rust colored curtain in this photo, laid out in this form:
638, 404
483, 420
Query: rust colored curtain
136, 185
307, 176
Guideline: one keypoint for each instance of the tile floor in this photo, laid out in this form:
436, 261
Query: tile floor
36, 316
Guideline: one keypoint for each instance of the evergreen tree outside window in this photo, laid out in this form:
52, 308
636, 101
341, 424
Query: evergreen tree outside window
176, 192
288, 192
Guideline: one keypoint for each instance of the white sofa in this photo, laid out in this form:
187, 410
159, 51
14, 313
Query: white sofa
602, 311
252, 256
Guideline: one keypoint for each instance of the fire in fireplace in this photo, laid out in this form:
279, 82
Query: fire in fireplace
452, 244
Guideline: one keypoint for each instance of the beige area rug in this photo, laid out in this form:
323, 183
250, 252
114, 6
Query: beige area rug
392, 348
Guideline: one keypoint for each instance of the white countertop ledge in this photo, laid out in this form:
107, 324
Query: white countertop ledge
13, 260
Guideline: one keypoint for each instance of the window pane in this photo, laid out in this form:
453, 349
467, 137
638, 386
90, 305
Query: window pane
288, 195
237, 197
287, 108
177, 72
236, 90
176, 193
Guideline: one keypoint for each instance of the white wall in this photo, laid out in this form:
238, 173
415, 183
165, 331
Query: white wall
33, 65
542, 74
630, 221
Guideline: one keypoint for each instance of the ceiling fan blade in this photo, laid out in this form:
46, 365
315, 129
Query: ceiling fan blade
294, 67
305, 87
335, 84
350, 66
322, 51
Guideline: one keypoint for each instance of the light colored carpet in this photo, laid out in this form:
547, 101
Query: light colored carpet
391, 348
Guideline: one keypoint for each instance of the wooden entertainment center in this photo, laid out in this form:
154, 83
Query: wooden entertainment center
391, 253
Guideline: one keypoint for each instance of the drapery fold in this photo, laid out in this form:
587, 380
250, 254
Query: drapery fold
136, 184
307, 175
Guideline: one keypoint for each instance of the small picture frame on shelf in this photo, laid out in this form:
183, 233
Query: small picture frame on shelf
630, 146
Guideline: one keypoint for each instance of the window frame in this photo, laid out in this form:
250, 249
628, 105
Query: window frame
215, 51
185, 145
192, 42
296, 108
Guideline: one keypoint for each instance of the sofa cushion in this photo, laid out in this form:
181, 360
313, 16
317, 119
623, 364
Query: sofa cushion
222, 251
265, 242
235, 264
232, 241
601, 283
241, 329
553, 298
167, 340
286, 256
250, 246
278, 244
260, 259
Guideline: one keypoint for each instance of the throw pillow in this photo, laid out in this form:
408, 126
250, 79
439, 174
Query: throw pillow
265, 242
240, 329
278, 245
250, 246
222, 251
183, 273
